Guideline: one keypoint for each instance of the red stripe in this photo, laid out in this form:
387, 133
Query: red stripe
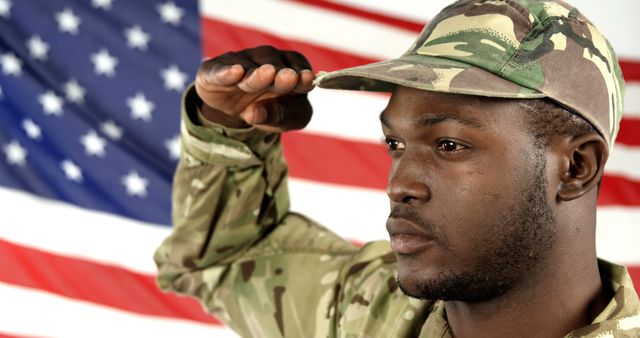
94, 282
629, 133
630, 69
634, 271
345, 162
122, 289
220, 37
365, 164
380, 18
4, 335
616, 190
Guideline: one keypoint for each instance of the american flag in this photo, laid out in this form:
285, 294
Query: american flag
89, 114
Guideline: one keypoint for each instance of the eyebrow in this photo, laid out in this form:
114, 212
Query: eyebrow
429, 120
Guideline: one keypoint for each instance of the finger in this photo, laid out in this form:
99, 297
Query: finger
305, 82
233, 58
284, 113
285, 81
296, 61
214, 71
222, 75
258, 79
265, 55
256, 114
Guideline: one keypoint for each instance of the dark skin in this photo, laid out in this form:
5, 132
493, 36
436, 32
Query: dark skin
461, 166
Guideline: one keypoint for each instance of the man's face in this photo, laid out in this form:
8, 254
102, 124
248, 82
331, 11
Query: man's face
470, 216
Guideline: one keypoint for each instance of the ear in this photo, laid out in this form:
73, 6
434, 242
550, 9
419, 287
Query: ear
583, 165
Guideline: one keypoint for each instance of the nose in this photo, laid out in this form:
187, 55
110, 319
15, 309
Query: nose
405, 184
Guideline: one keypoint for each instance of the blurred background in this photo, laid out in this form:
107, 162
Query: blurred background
89, 117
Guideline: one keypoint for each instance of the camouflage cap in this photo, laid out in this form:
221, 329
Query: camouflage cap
510, 49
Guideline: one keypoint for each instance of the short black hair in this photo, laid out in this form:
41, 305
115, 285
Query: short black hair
547, 119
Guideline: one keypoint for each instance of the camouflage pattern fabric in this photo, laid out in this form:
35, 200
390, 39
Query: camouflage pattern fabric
267, 272
506, 48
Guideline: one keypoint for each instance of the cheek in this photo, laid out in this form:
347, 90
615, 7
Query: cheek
472, 204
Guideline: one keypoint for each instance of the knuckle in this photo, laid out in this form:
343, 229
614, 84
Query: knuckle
265, 48
297, 55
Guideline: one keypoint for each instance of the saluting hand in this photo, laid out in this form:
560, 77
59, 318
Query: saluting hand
262, 87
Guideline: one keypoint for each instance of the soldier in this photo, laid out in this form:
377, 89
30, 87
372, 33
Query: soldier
500, 122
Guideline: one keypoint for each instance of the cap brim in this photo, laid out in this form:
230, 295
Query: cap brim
426, 73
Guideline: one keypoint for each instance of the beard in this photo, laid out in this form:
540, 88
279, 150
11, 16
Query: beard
504, 259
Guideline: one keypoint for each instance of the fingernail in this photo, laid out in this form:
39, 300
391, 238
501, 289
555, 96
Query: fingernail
236, 67
259, 115
268, 66
287, 70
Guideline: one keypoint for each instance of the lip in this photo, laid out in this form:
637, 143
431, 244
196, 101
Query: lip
406, 237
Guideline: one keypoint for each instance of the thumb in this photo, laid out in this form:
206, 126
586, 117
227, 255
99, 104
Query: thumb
283, 113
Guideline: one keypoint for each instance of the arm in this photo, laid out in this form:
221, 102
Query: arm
264, 271
234, 245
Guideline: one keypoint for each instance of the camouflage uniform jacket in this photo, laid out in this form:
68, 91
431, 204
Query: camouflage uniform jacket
267, 272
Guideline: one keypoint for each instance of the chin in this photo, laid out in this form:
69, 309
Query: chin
451, 286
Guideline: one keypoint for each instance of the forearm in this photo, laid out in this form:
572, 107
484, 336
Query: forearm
231, 182
235, 246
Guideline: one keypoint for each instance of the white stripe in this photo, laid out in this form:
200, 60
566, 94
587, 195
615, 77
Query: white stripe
312, 24
68, 230
374, 39
354, 213
618, 232
624, 161
361, 214
615, 18
354, 114
36, 313
632, 99
418, 11
350, 115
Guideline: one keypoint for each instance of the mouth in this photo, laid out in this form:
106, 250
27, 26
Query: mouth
407, 238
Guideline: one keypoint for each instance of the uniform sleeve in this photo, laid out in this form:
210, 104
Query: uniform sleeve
235, 246
261, 269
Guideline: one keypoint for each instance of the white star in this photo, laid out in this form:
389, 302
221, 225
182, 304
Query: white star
15, 153
93, 143
136, 185
32, 129
104, 4
38, 48
112, 130
71, 170
141, 108
5, 8
173, 146
174, 79
137, 38
104, 63
74, 91
68, 22
170, 13
51, 103
11, 65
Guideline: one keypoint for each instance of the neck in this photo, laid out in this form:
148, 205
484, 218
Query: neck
565, 294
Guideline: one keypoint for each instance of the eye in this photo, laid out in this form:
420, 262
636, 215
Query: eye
393, 144
450, 146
